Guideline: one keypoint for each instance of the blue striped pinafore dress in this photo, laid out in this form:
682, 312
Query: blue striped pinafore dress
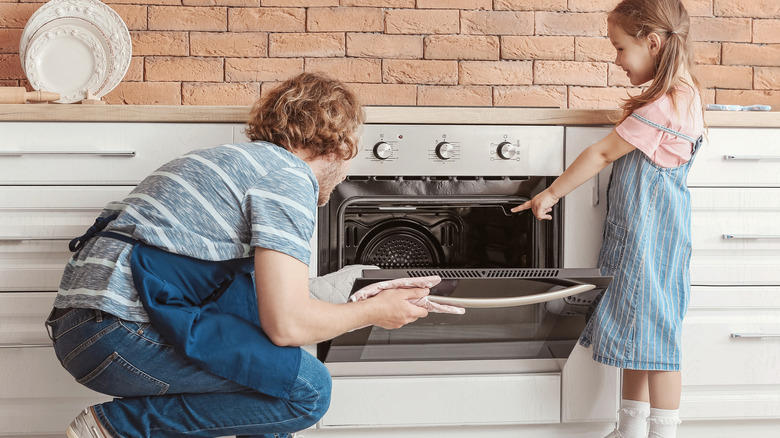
637, 324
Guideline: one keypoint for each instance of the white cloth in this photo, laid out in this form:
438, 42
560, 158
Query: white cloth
401, 283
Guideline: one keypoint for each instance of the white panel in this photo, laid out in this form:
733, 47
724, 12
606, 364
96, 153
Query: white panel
751, 216
756, 163
444, 400
590, 389
22, 316
69, 153
586, 206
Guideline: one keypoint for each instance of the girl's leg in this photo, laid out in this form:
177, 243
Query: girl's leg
665, 388
634, 408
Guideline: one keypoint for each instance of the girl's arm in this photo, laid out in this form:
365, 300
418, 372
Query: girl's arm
590, 162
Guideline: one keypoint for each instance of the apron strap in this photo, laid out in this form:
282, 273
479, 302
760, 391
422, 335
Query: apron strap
100, 224
664, 128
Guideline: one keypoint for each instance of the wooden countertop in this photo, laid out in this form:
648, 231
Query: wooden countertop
374, 114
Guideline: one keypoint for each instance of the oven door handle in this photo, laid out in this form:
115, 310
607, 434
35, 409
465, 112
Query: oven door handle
484, 303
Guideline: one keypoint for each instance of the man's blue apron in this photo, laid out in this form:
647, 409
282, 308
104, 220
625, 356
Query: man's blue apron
208, 311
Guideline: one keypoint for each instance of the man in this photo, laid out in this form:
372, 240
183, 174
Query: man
189, 298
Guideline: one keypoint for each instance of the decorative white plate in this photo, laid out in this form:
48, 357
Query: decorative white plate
93, 17
68, 60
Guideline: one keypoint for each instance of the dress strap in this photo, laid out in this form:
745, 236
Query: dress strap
664, 128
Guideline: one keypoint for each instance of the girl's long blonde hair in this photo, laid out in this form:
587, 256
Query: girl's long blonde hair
669, 20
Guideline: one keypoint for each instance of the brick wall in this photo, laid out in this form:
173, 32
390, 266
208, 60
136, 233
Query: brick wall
414, 52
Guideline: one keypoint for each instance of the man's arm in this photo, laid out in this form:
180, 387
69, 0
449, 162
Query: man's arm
291, 318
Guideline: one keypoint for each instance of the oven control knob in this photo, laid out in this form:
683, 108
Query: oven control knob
444, 150
382, 150
506, 150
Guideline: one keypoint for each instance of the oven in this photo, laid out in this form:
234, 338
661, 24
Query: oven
424, 200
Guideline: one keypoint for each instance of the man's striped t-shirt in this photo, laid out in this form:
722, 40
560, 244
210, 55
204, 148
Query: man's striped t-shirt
211, 204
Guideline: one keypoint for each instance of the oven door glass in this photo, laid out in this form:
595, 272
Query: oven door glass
542, 330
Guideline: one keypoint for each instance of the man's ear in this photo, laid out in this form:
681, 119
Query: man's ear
654, 43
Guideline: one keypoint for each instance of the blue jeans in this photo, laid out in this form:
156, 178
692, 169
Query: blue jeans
164, 395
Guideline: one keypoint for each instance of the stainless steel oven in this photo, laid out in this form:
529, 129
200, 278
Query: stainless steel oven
435, 200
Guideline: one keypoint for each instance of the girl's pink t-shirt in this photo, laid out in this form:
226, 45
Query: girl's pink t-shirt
666, 150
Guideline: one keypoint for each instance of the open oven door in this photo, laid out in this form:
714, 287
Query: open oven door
510, 314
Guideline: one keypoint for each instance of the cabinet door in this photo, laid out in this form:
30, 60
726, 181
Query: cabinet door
36, 224
738, 157
98, 153
731, 352
736, 236
586, 206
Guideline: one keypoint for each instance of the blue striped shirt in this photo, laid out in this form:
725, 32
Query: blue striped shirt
210, 204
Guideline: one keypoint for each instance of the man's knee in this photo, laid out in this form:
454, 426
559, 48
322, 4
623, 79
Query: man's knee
313, 388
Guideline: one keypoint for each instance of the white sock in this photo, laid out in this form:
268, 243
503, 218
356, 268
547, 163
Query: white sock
633, 418
663, 423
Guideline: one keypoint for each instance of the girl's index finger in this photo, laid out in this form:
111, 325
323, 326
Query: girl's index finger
524, 206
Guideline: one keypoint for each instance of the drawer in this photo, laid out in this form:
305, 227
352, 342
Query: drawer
22, 317
36, 224
98, 153
736, 236
731, 352
738, 157
444, 400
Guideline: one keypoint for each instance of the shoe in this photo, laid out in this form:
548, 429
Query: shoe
572, 305
85, 425
615, 434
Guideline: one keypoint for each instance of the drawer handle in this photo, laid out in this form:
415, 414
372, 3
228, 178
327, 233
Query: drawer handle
754, 335
97, 153
751, 157
482, 303
750, 236
29, 238
25, 345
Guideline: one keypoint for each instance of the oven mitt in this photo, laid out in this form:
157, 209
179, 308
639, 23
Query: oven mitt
336, 286
400, 283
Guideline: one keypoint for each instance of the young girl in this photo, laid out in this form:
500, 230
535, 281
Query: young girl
647, 235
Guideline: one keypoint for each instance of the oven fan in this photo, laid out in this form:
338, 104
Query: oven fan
403, 245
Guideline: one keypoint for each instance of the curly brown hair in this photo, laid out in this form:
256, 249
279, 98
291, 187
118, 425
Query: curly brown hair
309, 112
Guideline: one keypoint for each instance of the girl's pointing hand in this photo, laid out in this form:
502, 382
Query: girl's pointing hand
541, 205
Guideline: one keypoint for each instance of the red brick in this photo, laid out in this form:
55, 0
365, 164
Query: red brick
496, 73
766, 31
380, 3
232, 44
135, 73
420, 72
459, 96
187, 18
577, 24
497, 22
372, 45
345, 19
347, 69
15, 15
752, 8
261, 69
700, 8
765, 55
455, 4
9, 83
159, 69
461, 47
724, 76
11, 67
748, 97
708, 96
385, 94
594, 49
537, 47
616, 77
9, 40
267, 19
111, 3
145, 93
219, 94
306, 44
599, 98
766, 78
570, 73
534, 95
160, 43
134, 16
706, 53
530, 5
592, 5
232, 3
300, 3
414, 21
721, 29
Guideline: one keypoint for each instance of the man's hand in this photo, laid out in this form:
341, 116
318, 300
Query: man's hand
394, 310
